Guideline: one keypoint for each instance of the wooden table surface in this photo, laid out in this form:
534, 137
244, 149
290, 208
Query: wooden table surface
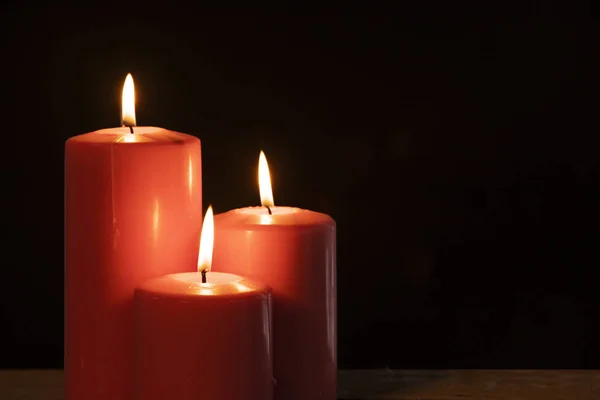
382, 384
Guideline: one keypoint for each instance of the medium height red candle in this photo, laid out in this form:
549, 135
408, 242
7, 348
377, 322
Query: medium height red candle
133, 211
203, 335
293, 251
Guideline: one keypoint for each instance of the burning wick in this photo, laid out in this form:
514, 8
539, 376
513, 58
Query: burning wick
203, 276
128, 104
127, 125
269, 210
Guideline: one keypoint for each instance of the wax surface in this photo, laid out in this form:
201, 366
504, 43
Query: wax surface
209, 341
133, 211
294, 252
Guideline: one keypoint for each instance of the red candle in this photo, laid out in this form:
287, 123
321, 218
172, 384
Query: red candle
133, 210
293, 251
203, 335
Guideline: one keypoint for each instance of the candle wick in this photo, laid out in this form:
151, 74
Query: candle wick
131, 128
269, 210
203, 276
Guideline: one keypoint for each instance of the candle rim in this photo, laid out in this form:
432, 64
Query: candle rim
150, 135
172, 286
299, 218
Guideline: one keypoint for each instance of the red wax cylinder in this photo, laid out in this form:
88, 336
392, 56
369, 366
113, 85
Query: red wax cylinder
209, 341
133, 211
294, 252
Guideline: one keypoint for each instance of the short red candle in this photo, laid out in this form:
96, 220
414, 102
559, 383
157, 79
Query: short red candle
203, 335
294, 252
209, 341
133, 211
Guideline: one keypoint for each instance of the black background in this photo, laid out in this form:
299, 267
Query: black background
456, 147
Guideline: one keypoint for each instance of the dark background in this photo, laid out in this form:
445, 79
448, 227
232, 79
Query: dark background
456, 147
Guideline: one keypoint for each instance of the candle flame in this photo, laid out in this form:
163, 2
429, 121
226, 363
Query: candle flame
207, 239
128, 102
264, 182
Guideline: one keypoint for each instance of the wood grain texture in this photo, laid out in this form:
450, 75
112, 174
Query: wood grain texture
382, 384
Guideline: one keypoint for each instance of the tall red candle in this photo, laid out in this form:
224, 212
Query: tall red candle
203, 335
133, 210
294, 252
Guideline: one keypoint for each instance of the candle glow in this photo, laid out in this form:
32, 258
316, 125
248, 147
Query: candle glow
264, 182
128, 102
207, 238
